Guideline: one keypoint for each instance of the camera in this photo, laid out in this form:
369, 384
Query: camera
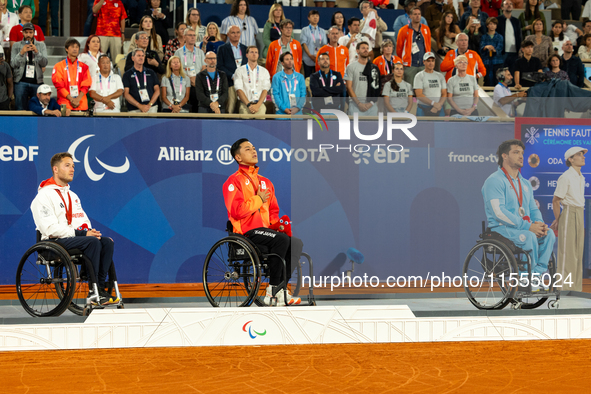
27, 42
211, 38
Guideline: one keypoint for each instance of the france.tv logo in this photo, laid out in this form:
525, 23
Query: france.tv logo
251, 331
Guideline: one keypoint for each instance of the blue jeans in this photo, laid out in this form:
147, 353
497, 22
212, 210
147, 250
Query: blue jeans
55, 5
88, 23
23, 92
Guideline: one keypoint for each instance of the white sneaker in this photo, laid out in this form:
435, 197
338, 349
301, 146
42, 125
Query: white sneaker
539, 287
281, 298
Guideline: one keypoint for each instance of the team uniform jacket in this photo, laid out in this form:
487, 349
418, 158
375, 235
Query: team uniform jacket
60, 81
475, 64
382, 63
246, 209
274, 53
339, 58
404, 42
49, 212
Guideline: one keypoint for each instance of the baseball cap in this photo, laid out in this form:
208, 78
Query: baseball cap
573, 151
44, 89
428, 55
28, 26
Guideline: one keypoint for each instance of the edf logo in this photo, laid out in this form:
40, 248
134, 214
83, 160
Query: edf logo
18, 153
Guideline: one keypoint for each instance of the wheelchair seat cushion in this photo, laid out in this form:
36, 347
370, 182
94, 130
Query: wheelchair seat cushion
489, 234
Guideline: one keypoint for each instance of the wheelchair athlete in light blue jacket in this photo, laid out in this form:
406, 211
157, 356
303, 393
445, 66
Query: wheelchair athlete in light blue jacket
289, 88
511, 209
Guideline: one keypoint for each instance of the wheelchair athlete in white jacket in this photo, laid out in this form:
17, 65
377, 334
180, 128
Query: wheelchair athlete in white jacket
59, 216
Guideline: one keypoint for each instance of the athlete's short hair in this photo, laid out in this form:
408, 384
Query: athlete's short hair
57, 158
505, 147
236, 147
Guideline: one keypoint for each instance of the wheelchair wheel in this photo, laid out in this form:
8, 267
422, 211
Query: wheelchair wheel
78, 302
533, 301
295, 283
487, 272
259, 298
43, 269
230, 264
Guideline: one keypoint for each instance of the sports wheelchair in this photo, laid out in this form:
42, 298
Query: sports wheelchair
499, 264
51, 279
236, 273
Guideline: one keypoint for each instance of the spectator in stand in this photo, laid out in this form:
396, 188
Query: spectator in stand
160, 19
175, 88
141, 85
15, 6
211, 86
542, 43
491, 7
135, 9
510, 28
475, 65
154, 40
212, 40
240, 16
28, 60
558, 37
387, 60
44, 105
526, 64
55, 20
338, 20
478, 14
531, 14
473, 31
571, 32
283, 45
193, 62
110, 25
272, 32
586, 30
6, 83
363, 84
435, 11
326, 85
252, 83
556, 72
175, 43
25, 13
446, 33
194, 22
72, 79
7, 21
462, 90
586, 12
430, 89
91, 54
383, 4
585, 48
232, 55
151, 57
405, 20
397, 92
338, 54
353, 38
491, 51
518, 4
573, 65
414, 40
329, 3
107, 88
312, 38
568, 7
288, 87
502, 95
366, 7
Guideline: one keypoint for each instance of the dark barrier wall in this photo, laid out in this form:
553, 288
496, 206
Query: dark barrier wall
155, 187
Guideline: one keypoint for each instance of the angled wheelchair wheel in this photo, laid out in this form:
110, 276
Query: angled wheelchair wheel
230, 264
534, 301
295, 283
487, 275
43, 269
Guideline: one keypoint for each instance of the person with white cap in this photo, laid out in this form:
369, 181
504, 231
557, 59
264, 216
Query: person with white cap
44, 105
570, 192
430, 88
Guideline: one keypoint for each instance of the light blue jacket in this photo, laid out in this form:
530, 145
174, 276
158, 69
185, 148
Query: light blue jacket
281, 95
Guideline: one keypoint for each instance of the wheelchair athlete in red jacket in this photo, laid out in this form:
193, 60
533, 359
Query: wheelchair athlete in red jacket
252, 209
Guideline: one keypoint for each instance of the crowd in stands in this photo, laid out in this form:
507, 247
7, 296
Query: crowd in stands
440, 52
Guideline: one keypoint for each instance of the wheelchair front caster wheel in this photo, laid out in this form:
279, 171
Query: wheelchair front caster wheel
312, 303
121, 306
86, 311
516, 306
554, 304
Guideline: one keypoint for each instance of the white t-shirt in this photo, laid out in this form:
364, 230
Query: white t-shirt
92, 63
8, 21
500, 92
462, 90
571, 188
252, 82
557, 44
181, 84
353, 45
106, 87
398, 99
510, 45
431, 83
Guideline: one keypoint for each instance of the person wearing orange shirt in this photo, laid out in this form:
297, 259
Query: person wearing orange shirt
414, 40
72, 79
110, 25
475, 65
252, 210
387, 61
285, 44
338, 54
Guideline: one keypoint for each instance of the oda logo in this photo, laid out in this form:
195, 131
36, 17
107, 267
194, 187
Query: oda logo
251, 331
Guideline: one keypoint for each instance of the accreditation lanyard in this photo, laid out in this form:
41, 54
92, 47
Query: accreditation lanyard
217, 88
388, 65
313, 37
68, 208
108, 83
276, 28
68, 72
180, 87
289, 87
519, 195
17, 5
329, 76
185, 54
248, 74
138, 81
254, 185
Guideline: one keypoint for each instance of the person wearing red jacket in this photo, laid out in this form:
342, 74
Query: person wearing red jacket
253, 209
72, 79
414, 40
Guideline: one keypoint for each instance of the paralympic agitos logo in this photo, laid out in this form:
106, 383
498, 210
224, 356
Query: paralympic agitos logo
251, 331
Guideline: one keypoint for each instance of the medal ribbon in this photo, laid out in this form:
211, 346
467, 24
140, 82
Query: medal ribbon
68, 208
520, 194
254, 185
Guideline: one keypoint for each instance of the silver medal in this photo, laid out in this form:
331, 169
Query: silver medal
521, 211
